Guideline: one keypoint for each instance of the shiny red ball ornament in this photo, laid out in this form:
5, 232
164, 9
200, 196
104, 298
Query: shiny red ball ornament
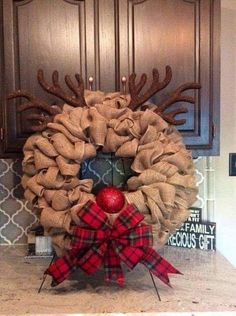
110, 199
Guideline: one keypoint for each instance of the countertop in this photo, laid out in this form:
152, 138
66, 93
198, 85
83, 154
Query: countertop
208, 285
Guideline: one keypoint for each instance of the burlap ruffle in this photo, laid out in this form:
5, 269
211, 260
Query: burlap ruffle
163, 189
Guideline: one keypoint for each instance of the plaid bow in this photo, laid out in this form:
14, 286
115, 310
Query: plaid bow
95, 241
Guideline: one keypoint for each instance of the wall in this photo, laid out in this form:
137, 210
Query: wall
225, 190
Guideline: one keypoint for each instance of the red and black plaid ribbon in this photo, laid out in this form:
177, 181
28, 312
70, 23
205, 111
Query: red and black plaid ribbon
96, 242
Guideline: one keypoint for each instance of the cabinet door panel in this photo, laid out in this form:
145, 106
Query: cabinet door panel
184, 36
38, 34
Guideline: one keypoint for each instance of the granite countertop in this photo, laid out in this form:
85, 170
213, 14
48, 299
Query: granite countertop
208, 284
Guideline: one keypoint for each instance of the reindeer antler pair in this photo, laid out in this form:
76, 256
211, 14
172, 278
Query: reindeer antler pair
77, 99
138, 99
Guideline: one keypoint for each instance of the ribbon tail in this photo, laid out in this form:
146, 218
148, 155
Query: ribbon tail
158, 265
62, 268
112, 266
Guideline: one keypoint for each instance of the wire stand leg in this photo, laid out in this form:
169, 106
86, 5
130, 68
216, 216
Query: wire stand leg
45, 275
153, 281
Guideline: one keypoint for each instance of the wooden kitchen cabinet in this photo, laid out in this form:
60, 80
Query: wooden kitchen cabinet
108, 39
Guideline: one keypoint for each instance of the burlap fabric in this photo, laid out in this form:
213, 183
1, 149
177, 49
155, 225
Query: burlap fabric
163, 189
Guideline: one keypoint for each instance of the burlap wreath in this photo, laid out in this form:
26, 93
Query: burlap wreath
163, 189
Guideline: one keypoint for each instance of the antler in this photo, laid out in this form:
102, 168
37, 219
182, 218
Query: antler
156, 85
76, 100
34, 102
176, 96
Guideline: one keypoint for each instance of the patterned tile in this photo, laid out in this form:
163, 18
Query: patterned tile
200, 166
15, 214
23, 218
4, 218
10, 179
4, 166
11, 206
12, 232
3, 193
106, 170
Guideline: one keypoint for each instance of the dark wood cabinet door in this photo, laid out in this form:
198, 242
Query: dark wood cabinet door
108, 39
185, 35
37, 34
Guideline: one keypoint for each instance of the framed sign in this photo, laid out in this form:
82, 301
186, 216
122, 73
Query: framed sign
195, 233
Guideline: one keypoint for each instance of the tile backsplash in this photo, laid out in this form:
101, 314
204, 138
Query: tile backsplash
16, 216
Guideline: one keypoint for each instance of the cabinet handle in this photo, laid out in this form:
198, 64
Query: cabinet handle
123, 82
1, 134
90, 83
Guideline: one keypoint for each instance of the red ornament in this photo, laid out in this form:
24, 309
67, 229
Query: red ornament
110, 199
